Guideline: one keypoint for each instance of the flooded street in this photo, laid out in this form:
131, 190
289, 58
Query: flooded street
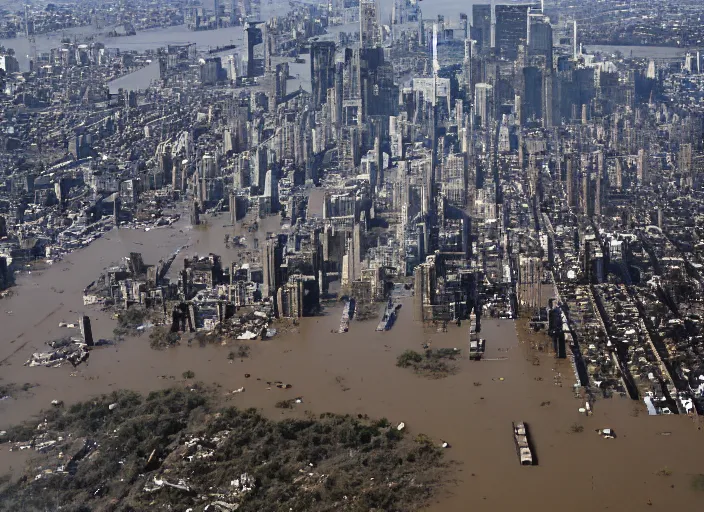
355, 373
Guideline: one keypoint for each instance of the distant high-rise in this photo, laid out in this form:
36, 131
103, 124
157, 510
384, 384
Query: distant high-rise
231, 67
254, 37
642, 166
533, 98
322, 70
619, 174
9, 64
483, 103
511, 28
548, 99
369, 35
278, 85
272, 260
233, 13
481, 24
684, 163
86, 330
436, 62
690, 63
540, 40
570, 178
211, 71
258, 167
271, 189
467, 65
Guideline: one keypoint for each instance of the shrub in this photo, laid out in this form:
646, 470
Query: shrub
162, 337
408, 358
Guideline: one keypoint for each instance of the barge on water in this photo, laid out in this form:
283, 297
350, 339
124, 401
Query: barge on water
522, 440
347, 315
389, 317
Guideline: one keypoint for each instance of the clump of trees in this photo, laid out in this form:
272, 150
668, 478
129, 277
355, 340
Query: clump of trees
349, 463
161, 337
434, 364
129, 320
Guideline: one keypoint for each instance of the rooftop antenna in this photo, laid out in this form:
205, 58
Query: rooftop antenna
574, 41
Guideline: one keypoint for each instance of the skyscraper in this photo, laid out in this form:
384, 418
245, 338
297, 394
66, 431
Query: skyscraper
467, 63
322, 70
271, 189
642, 166
481, 24
272, 259
511, 28
548, 99
86, 331
254, 37
278, 89
233, 13
483, 103
533, 97
684, 163
369, 35
540, 40
258, 166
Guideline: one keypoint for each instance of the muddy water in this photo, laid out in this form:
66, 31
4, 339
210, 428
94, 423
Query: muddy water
356, 373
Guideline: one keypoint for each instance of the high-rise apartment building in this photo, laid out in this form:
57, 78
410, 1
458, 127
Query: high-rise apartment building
369, 35
483, 103
511, 28
481, 24
322, 70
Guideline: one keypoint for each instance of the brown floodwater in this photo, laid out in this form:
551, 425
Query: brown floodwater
355, 373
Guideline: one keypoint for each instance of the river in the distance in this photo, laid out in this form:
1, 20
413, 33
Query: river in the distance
637, 52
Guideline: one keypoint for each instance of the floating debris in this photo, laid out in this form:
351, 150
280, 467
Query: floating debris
606, 433
65, 349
